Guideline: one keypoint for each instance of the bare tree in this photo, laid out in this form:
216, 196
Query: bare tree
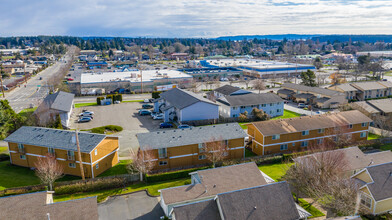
48, 170
258, 84
384, 123
216, 150
141, 161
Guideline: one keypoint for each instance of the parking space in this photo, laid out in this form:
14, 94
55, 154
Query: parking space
132, 206
124, 115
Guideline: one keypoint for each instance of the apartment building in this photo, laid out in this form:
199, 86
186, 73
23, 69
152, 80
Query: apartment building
226, 90
295, 134
183, 148
99, 152
371, 90
347, 89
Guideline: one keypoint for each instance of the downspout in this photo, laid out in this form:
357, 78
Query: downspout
91, 164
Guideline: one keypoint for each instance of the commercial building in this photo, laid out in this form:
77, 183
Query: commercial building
213, 72
295, 134
376, 188
320, 97
182, 106
99, 152
134, 80
182, 148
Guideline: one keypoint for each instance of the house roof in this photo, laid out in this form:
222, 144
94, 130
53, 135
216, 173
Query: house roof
365, 106
181, 98
34, 206
61, 101
344, 87
215, 181
55, 138
385, 105
272, 201
304, 95
304, 123
188, 136
285, 91
317, 90
322, 100
201, 210
381, 174
368, 85
356, 159
227, 89
386, 83
250, 99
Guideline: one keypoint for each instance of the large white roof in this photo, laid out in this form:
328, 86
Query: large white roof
260, 64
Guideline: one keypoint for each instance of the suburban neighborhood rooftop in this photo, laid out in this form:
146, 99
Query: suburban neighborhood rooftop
317, 90
180, 98
381, 187
250, 99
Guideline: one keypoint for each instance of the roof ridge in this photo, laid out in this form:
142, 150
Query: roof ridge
254, 187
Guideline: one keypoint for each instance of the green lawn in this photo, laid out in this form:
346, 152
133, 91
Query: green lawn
2, 149
27, 112
103, 194
386, 147
249, 153
79, 105
120, 168
275, 171
16, 176
372, 136
134, 101
308, 207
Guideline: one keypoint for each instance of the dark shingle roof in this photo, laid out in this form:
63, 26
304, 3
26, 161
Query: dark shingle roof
181, 98
382, 176
304, 95
317, 90
285, 91
55, 138
61, 101
202, 210
272, 201
227, 89
250, 99
187, 136
322, 100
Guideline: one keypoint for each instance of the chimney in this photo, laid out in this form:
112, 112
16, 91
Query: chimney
49, 197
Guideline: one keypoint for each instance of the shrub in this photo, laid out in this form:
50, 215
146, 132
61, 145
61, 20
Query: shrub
155, 94
119, 97
90, 185
103, 129
171, 175
99, 100
110, 97
4, 157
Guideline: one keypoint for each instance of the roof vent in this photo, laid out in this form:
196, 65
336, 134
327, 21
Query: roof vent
255, 207
214, 185
158, 132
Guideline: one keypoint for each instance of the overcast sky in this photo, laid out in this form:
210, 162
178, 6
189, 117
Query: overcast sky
193, 18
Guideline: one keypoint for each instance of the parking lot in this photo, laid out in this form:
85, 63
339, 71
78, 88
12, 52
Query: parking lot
124, 115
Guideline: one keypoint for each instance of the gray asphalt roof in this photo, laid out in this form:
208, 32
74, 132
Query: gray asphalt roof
272, 201
202, 210
368, 85
285, 91
55, 138
322, 100
187, 136
317, 90
250, 99
60, 101
382, 176
384, 105
304, 95
181, 98
345, 87
365, 106
227, 89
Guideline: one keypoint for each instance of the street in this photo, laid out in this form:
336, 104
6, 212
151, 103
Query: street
22, 97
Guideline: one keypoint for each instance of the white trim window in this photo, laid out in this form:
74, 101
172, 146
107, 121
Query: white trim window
275, 137
321, 130
97, 166
364, 124
350, 126
71, 155
363, 134
96, 152
202, 157
21, 148
202, 147
51, 150
304, 143
320, 141
304, 133
22, 157
72, 165
163, 163
162, 152
366, 200
284, 147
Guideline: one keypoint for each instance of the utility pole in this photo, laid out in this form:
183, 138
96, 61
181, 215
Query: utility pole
79, 154
1, 79
141, 80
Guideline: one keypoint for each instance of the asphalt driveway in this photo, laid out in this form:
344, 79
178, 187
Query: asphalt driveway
137, 205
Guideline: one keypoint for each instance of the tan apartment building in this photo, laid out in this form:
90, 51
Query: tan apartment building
183, 148
373, 89
376, 188
295, 134
99, 152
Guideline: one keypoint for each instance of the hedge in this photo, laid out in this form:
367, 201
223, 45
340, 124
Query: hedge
99, 100
103, 129
172, 175
89, 186
155, 94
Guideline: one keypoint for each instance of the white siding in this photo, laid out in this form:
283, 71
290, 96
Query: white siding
200, 111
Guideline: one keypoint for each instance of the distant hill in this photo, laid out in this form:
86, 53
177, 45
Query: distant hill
272, 37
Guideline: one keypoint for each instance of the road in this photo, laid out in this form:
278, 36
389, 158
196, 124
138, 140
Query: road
34, 91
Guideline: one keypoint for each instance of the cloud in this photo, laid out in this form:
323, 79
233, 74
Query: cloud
193, 18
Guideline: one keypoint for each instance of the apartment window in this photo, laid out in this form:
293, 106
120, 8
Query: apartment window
366, 201
275, 137
304, 133
350, 126
304, 143
97, 166
293, 144
162, 153
263, 105
277, 110
21, 148
22, 156
235, 115
242, 107
225, 143
321, 130
363, 134
71, 155
284, 147
162, 163
72, 165
202, 157
202, 147
51, 150
271, 104
364, 124
320, 141
235, 108
96, 152
334, 138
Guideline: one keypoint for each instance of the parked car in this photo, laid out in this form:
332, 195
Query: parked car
165, 125
84, 119
144, 112
301, 105
158, 117
117, 102
146, 101
70, 79
184, 126
86, 113
147, 106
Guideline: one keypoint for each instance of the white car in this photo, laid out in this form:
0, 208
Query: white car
146, 101
158, 117
86, 113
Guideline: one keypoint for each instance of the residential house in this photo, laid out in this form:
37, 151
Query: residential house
380, 110
234, 105
182, 148
376, 188
320, 97
98, 151
226, 90
273, 201
89, 52
350, 91
59, 104
355, 159
372, 89
206, 184
40, 205
181, 105
179, 56
295, 134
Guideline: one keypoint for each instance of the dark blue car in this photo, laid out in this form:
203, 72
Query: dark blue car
165, 125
